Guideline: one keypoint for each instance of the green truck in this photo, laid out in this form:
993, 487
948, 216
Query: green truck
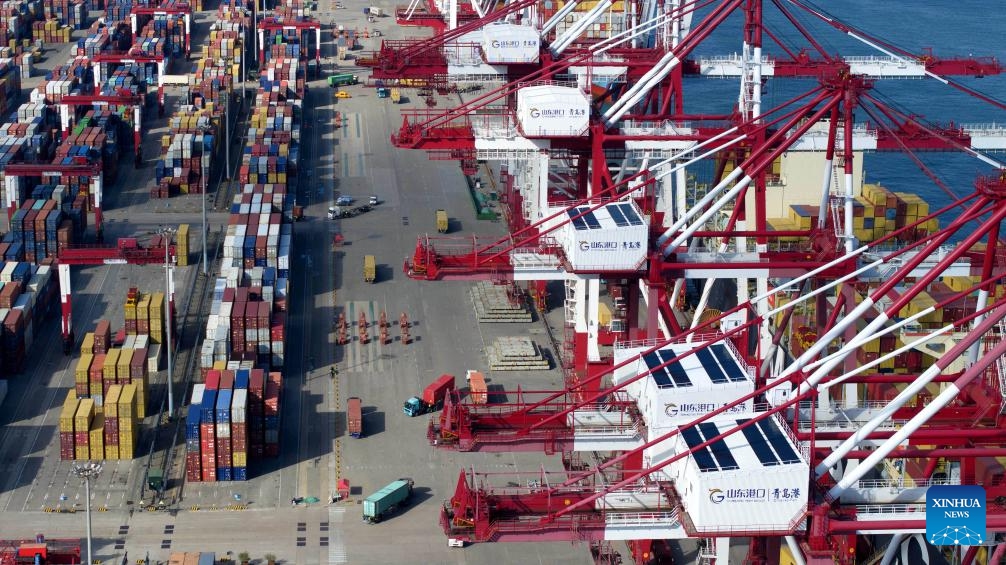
386, 500
343, 79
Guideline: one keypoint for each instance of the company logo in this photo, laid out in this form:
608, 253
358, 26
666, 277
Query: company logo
718, 496
955, 515
557, 112
672, 409
497, 44
610, 245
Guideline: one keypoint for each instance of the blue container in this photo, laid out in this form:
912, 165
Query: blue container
223, 474
208, 406
240, 473
192, 424
223, 412
241, 378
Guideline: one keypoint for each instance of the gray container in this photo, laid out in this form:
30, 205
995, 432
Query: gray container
386, 500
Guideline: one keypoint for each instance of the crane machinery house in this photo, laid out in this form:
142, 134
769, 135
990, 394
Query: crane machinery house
611, 238
752, 480
509, 43
552, 111
683, 390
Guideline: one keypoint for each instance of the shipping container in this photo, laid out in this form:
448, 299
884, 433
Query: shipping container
354, 417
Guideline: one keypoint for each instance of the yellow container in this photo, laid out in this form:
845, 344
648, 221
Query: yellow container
112, 452
127, 403
81, 372
87, 346
239, 459
97, 437
111, 363
222, 365
112, 401
66, 415
82, 419
122, 366
82, 452
143, 308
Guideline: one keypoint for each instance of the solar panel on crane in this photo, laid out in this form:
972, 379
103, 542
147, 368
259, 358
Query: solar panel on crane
662, 378
720, 451
734, 372
588, 217
578, 223
617, 215
677, 372
756, 439
703, 458
630, 214
779, 442
711, 366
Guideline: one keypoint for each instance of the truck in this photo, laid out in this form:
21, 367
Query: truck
477, 387
369, 268
442, 223
354, 417
386, 500
432, 398
396, 95
343, 79
383, 92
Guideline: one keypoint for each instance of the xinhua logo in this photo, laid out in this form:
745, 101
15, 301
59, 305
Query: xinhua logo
955, 515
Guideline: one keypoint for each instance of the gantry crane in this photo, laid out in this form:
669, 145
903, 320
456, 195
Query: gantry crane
132, 101
827, 254
13, 174
126, 251
183, 10
133, 58
272, 24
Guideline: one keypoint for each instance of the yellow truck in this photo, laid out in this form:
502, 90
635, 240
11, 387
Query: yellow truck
442, 223
396, 95
369, 268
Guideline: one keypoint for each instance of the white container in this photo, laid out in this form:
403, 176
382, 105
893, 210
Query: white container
239, 403
509, 43
224, 430
154, 358
611, 238
142, 341
197, 394
552, 111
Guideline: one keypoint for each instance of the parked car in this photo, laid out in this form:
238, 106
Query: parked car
373, 200
344, 201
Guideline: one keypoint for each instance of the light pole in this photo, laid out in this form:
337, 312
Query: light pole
205, 184
168, 321
87, 471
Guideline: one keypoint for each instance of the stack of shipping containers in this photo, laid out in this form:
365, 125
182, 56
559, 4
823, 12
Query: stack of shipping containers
27, 293
236, 412
89, 431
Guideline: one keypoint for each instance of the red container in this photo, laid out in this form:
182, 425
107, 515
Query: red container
226, 380
138, 364
271, 399
80, 438
83, 389
213, 379
111, 431
193, 467
263, 315
66, 446
96, 371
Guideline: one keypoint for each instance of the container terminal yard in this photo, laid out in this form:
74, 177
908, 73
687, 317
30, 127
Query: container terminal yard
623, 330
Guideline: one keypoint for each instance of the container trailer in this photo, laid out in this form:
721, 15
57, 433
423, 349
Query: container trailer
369, 268
432, 398
386, 500
442, 223
354, 417
343, 79
396, 96
477, 387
